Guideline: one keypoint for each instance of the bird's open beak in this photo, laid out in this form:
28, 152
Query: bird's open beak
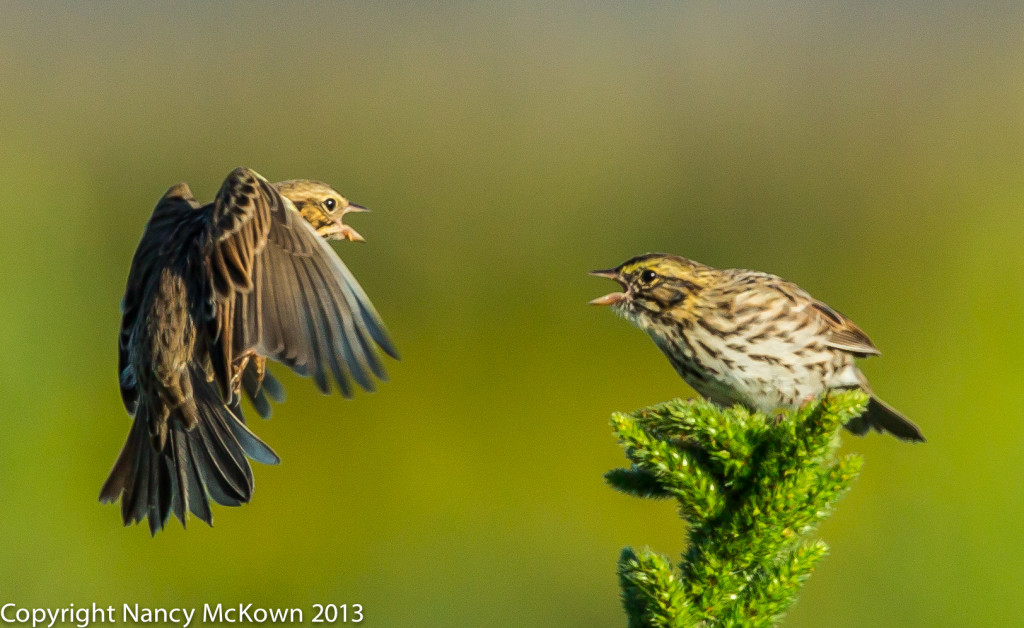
343, 231
614, 297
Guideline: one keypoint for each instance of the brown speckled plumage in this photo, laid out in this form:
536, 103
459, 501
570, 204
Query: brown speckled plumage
747, 337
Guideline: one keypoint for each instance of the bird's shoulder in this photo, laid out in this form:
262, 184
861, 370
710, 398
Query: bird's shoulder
176, 214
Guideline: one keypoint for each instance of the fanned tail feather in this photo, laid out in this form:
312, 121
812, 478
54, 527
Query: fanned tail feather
194, 465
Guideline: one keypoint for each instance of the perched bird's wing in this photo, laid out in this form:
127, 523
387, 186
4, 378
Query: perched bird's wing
841, 333
281, 291
174, 208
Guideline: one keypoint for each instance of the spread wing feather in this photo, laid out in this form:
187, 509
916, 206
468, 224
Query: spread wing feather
281, 291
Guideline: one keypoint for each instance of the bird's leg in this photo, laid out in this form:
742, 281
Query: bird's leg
260, 363
806, 401
239, 368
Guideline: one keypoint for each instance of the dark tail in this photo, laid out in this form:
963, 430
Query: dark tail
193, 466
885, 418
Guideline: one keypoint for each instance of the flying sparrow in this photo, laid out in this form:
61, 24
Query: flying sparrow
213, 291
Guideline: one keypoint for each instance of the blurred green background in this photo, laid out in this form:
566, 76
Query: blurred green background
872, 153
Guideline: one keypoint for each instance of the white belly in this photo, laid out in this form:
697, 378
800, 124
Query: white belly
769, 374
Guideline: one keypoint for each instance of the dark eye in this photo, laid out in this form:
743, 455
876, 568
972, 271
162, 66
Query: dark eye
648, 276
330, 204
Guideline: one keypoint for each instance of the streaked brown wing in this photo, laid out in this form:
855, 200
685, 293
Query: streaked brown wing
174, 208
283, 292
842, 333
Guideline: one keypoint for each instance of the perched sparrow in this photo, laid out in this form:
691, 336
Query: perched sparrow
746, 337
212, 292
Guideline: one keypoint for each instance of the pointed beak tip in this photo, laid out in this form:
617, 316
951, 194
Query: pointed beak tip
607, 273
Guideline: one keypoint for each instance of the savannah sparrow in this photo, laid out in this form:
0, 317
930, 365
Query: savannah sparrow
213, 291
746, 337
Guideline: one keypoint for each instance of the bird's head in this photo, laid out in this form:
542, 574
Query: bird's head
653, 285
322, 207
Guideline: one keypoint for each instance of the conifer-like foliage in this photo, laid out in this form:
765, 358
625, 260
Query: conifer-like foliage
752, 489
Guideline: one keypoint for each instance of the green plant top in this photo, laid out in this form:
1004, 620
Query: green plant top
751, 487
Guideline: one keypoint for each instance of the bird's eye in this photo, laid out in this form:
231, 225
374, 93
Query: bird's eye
647, 276
330, 204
